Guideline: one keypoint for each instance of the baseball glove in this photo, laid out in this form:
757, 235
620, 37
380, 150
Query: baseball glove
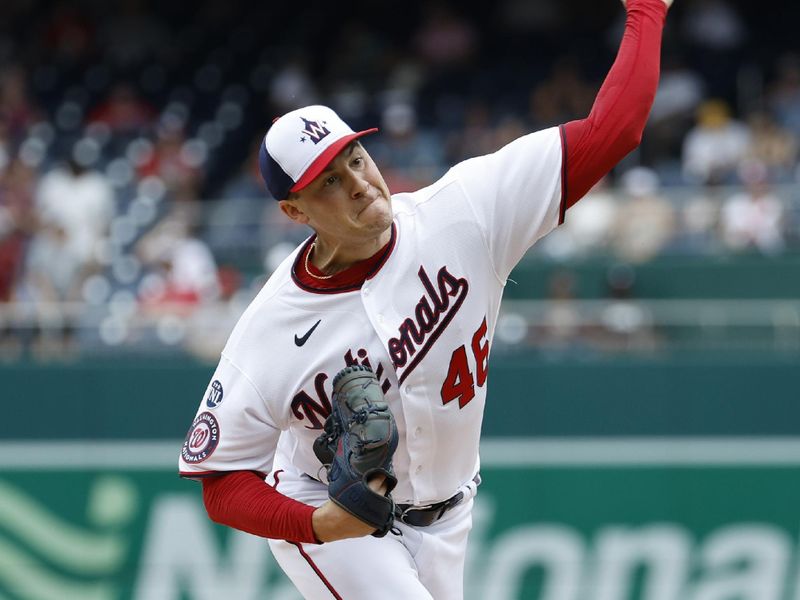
358, 443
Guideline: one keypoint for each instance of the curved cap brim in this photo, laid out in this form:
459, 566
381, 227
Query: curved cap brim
324, 159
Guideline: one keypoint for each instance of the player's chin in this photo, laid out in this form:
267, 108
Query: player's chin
377, 212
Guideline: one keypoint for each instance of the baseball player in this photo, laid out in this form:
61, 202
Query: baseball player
403, 290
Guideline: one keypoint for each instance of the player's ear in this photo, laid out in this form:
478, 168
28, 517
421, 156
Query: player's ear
291, 210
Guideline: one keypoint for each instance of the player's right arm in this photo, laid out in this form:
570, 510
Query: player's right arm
242, 500
230, 447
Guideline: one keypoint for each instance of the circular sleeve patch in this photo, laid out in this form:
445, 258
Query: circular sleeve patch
202, 439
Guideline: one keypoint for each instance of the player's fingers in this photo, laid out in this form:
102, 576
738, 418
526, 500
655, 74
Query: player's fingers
378, 484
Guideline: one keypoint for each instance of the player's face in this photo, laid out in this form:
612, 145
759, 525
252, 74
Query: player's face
348, 202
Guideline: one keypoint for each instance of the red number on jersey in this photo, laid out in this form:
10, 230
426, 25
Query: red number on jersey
481, 353
458, 383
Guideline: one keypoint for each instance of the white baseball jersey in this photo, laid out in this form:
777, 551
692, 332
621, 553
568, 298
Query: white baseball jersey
423, 321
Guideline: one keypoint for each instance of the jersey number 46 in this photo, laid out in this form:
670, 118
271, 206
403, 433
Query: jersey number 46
459, 382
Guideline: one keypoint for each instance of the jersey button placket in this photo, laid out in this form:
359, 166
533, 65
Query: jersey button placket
419, 446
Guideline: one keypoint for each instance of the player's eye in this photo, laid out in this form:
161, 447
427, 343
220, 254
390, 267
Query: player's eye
330, 180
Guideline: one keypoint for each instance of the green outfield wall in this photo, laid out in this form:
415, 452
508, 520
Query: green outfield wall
597, 519
734, 395
681, 277
676, 479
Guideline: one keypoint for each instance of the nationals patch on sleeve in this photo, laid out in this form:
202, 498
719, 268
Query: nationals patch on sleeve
202, 439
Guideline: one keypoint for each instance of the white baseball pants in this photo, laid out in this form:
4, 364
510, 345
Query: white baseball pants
424, 563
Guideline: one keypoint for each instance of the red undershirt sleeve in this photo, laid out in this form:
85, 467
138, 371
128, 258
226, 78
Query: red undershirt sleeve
243, 500
592, 146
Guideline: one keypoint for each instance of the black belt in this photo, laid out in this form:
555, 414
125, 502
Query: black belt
422, 516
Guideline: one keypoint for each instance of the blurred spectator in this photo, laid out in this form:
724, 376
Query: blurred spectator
75, 207
716, 34
680, 92
772, 146
17, 222
68, 35
410, 158
699, 221
784, 93
131, 34
53, 274
587, 227
445, 40
236, 222
211, 323
542, 17
713, 148
405, 75
291, 87
360, 58
183, 271
174, 164
474, 138
124, 111
752, 219
562, 97
713, 25
561, 327
6, 147
625, 324
647, 222
592, 220
17, 109
507, 130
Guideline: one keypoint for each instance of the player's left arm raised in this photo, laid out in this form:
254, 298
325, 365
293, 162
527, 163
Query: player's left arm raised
519, 193
614, 127
668, 3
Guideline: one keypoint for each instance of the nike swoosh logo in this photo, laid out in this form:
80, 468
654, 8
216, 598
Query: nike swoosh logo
299, 341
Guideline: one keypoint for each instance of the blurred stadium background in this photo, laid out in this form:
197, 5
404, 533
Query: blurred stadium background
641, 438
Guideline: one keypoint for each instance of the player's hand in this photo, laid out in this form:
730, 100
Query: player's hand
667, 2
331, 522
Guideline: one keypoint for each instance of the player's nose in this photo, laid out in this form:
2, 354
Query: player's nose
358, 185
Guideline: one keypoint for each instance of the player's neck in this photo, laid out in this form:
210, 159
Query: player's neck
332, 257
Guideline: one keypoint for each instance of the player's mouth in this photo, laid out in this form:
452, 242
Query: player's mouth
368, 204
